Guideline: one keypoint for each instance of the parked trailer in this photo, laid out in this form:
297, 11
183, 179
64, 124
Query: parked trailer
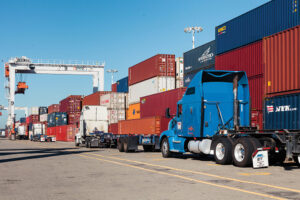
213, 118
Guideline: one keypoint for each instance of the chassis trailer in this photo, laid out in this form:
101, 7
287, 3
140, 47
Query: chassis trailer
213, 118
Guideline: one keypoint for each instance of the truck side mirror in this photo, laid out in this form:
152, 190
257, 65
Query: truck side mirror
168, 113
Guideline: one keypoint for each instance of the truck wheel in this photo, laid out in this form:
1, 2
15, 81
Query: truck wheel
120, 146
87, 144
76, 144
165, 148
223, 151
243, 150
126, 149
297, 160
148, 148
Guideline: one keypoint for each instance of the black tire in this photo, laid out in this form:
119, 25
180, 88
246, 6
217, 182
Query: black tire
148, 148
165, 148
223, 151
120, 146
242, 151
76, 144
126, 149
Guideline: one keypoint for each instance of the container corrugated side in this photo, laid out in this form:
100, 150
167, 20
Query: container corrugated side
114, 87
188, 77
265, 20
200, 57
282, 62
156, 104
256, 90
71, 104
282, 112
53, 108
150, 86
134, 111
158, 65
179, 67
113, 128
114, 100
247, 58
150, 125
94, 99
122, 85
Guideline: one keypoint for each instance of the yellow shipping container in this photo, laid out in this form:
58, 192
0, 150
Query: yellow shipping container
133, 111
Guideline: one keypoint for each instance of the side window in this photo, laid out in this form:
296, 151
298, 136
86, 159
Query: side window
190, 91
179, 110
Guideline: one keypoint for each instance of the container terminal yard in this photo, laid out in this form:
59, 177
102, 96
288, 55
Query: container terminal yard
218, 120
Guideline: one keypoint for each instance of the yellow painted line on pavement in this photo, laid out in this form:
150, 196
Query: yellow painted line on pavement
255, 174
187, 178
203, 173
213, 165
159, 159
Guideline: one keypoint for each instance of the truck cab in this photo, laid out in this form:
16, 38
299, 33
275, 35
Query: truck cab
208, 106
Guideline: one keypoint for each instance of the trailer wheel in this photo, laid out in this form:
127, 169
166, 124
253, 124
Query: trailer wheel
120, 146
222, 151
148, 148
165, 148
243, 150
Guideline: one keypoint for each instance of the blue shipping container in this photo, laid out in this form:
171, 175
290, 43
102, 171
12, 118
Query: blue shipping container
122, 85
188, 77
268, 19
200, 57
282, 112
57, 119
22, 120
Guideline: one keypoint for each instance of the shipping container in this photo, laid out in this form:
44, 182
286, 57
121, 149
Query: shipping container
74, 118
43, 118
93, 99
200, 57
150, 125
115, 115
23, 120
265, 20
71, 104
188, 77
122, 85
158, 65
179, 83
113, 128
247, 58
257, 119
114, 87
43, 110
150, 86
114, 100
34, 111
282, 62
53, 108
256, 89
133, 111
179, 67
95, 118
282, 112
156, 104
57, 119
33, 119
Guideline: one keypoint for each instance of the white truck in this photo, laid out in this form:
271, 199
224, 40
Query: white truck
93, 126
21, 133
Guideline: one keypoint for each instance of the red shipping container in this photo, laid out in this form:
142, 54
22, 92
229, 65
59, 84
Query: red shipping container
281, 53
158, 65
33, 119
113, 128
248, 58
71, 104
51, 131
257, 119
94, 99
256, 88
27, 120
74, 118
71, 131
156, 104
53, 108
150, 125
114, 87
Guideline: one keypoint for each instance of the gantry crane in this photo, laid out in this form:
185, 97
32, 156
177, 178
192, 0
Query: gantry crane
24, 65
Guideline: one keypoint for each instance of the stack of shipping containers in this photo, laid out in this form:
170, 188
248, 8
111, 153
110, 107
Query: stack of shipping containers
239, 45
200, 58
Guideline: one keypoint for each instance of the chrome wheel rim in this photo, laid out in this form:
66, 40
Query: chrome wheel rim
239, 152
299, 159
220, 151
165, 147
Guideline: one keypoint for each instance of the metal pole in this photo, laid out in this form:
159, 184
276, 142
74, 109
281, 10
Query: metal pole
193, 39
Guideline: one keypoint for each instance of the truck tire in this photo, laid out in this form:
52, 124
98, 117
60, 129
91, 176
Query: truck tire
223, 151
120, 146
148, 148
165, 148
76, 144
126, 149
243, 150
297, 160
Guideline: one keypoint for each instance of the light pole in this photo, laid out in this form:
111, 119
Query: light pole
112, 71
193, 30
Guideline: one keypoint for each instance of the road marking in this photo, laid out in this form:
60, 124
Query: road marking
213, 164
159, 159
203, 173
186, 178
255, 174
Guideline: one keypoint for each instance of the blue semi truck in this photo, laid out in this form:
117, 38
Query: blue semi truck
213, 118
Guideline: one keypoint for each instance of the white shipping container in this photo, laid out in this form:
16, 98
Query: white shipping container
38, 129
179, 83
94, 113
115, 115
149, 87
43, 117
91, 126
114, 100
179, 67
21, 130
34, 111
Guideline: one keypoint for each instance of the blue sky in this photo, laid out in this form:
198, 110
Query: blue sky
119, 32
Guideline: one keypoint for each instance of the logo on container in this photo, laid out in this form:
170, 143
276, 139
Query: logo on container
188, 68
285, 108
222, 30
187, 80
270, 109
206, 56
